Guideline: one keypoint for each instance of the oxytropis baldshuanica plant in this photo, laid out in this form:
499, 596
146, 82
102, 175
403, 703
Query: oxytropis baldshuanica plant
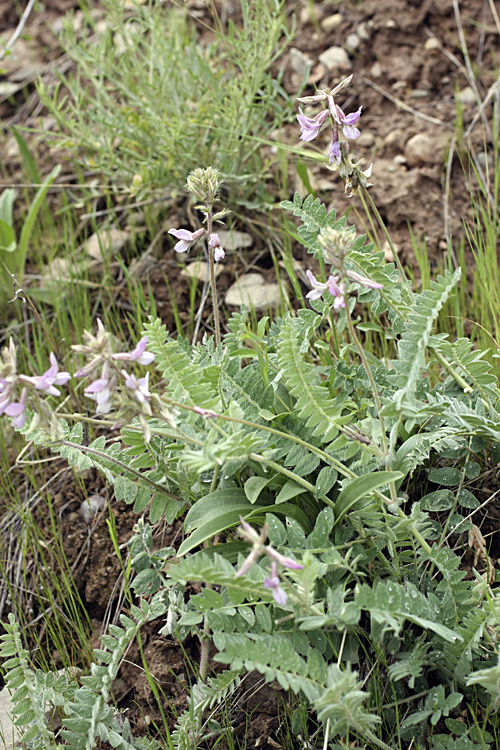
349, 474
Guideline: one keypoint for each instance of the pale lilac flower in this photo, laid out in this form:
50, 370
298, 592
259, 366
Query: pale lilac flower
139, 354
49, 379
368, 283
186, 238
259, 548
101, 390
331, 285
348, 123
280, 559
273, 583
214, 242
7, 388
310, 126
140, 386
335, 154
17, 409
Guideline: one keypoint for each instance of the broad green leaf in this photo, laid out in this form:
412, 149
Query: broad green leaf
448, 477
254, 486
290, 490
7, 237
439, 500
360, 487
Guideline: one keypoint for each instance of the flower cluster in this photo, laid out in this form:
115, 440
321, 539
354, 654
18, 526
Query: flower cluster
187, 238
337, 287
310, 126
10, 381
260, 548
105, 366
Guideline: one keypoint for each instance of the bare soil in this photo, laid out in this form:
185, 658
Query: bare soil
407, 86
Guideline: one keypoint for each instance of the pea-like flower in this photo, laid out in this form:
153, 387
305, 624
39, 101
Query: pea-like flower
186, 238
214, 243
331, 285
139, 354
273, 583
310, 126
49, 379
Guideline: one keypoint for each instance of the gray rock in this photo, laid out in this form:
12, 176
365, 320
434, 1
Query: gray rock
198, 269
466, 96
332, 23
422, 149
105, 242
352, 41
335, 59
8, 732
233, 240
253, 291
376, 70
299, 62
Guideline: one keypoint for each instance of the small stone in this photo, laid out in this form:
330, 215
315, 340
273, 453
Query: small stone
399, 159
466, 96
299, 62
394, 137
432, 44
105, 242
390, 24
365, 140
388, 254
422, 149
335, 59
309, 13
363, 31
352, 41
419, 94
376, 70
199, 270
234, 240
255, 292
10, 734
91, 507
332, 23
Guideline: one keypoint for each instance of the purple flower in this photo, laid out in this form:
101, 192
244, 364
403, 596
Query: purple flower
310, 126
139, 354
368, 283
335, 154
49, 379
207, 413
331, 285
214, 242
17, 409
140, 386
186, 238
273, 583
280, 559
347, 122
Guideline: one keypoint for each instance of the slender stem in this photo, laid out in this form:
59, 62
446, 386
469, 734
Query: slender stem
213, 286
380, 220
376, 397
290, 475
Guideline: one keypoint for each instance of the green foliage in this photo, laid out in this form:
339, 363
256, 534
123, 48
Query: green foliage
149, 101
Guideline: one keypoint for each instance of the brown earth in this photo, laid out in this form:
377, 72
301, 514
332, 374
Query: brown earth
408, 67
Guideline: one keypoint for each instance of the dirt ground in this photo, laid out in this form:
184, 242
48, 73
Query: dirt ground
408, 70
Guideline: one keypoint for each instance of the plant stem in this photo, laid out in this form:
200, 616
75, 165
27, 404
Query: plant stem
213, 286
376, 397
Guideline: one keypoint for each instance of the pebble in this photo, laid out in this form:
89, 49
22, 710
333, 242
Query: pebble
363, 31
335, 59
419, 94
352, 41
376, 70
332, 23
91, 507
466, 96
309, 13
432, 44
10, 733
105, 242
299, 62
422, 149
365, 140
234, 240
199, 270
255, 292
